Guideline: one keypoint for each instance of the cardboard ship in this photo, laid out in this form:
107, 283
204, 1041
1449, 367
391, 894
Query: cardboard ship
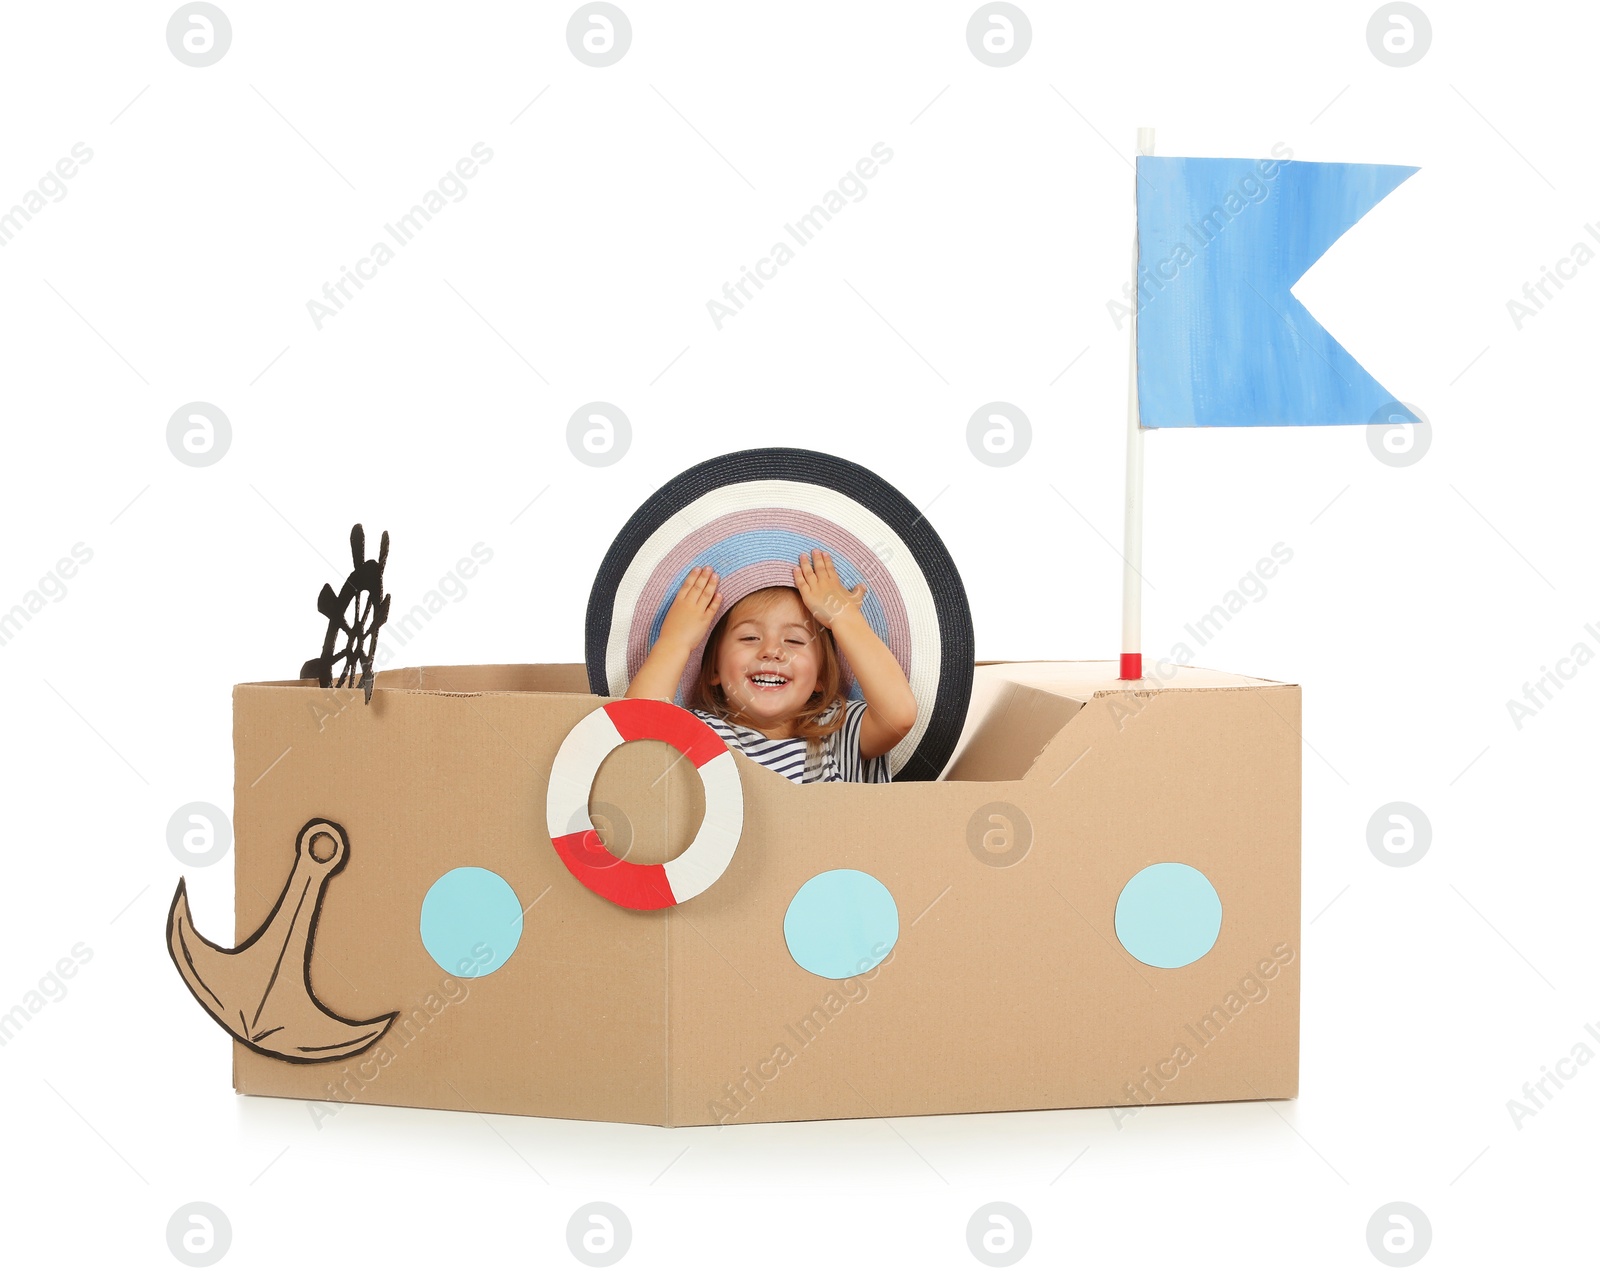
1096, 903
1008, 984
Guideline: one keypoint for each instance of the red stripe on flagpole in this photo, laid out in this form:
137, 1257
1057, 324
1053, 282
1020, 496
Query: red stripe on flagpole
1132, 666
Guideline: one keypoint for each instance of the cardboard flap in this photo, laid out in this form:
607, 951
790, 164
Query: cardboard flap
1008, 727
1110, 714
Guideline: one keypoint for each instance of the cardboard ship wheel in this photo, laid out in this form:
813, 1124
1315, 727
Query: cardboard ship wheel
749, 516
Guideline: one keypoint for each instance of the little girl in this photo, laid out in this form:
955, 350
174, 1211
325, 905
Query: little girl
770, 682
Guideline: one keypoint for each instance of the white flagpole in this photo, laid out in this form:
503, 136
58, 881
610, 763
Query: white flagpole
1133, 518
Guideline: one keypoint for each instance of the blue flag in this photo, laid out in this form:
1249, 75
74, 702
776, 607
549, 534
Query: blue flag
1222, 343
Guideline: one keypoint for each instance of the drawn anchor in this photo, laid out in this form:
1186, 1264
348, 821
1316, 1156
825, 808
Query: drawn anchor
261, 992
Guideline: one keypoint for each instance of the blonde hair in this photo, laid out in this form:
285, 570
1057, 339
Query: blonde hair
706, 696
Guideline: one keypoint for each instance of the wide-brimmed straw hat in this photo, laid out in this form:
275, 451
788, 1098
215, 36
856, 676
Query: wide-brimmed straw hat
749, 516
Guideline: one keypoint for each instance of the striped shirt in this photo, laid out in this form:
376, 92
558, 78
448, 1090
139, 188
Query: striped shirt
838, 757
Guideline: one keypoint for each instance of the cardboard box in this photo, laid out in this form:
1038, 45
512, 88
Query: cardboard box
1008, 987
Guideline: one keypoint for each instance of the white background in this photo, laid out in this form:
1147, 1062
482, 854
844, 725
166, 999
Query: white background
1420, 599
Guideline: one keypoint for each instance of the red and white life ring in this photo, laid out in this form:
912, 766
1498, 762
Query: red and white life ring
572, 831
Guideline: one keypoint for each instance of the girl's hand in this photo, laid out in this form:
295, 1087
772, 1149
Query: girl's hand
693, 611
818, 584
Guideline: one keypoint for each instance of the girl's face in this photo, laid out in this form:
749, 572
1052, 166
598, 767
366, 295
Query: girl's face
767, 664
